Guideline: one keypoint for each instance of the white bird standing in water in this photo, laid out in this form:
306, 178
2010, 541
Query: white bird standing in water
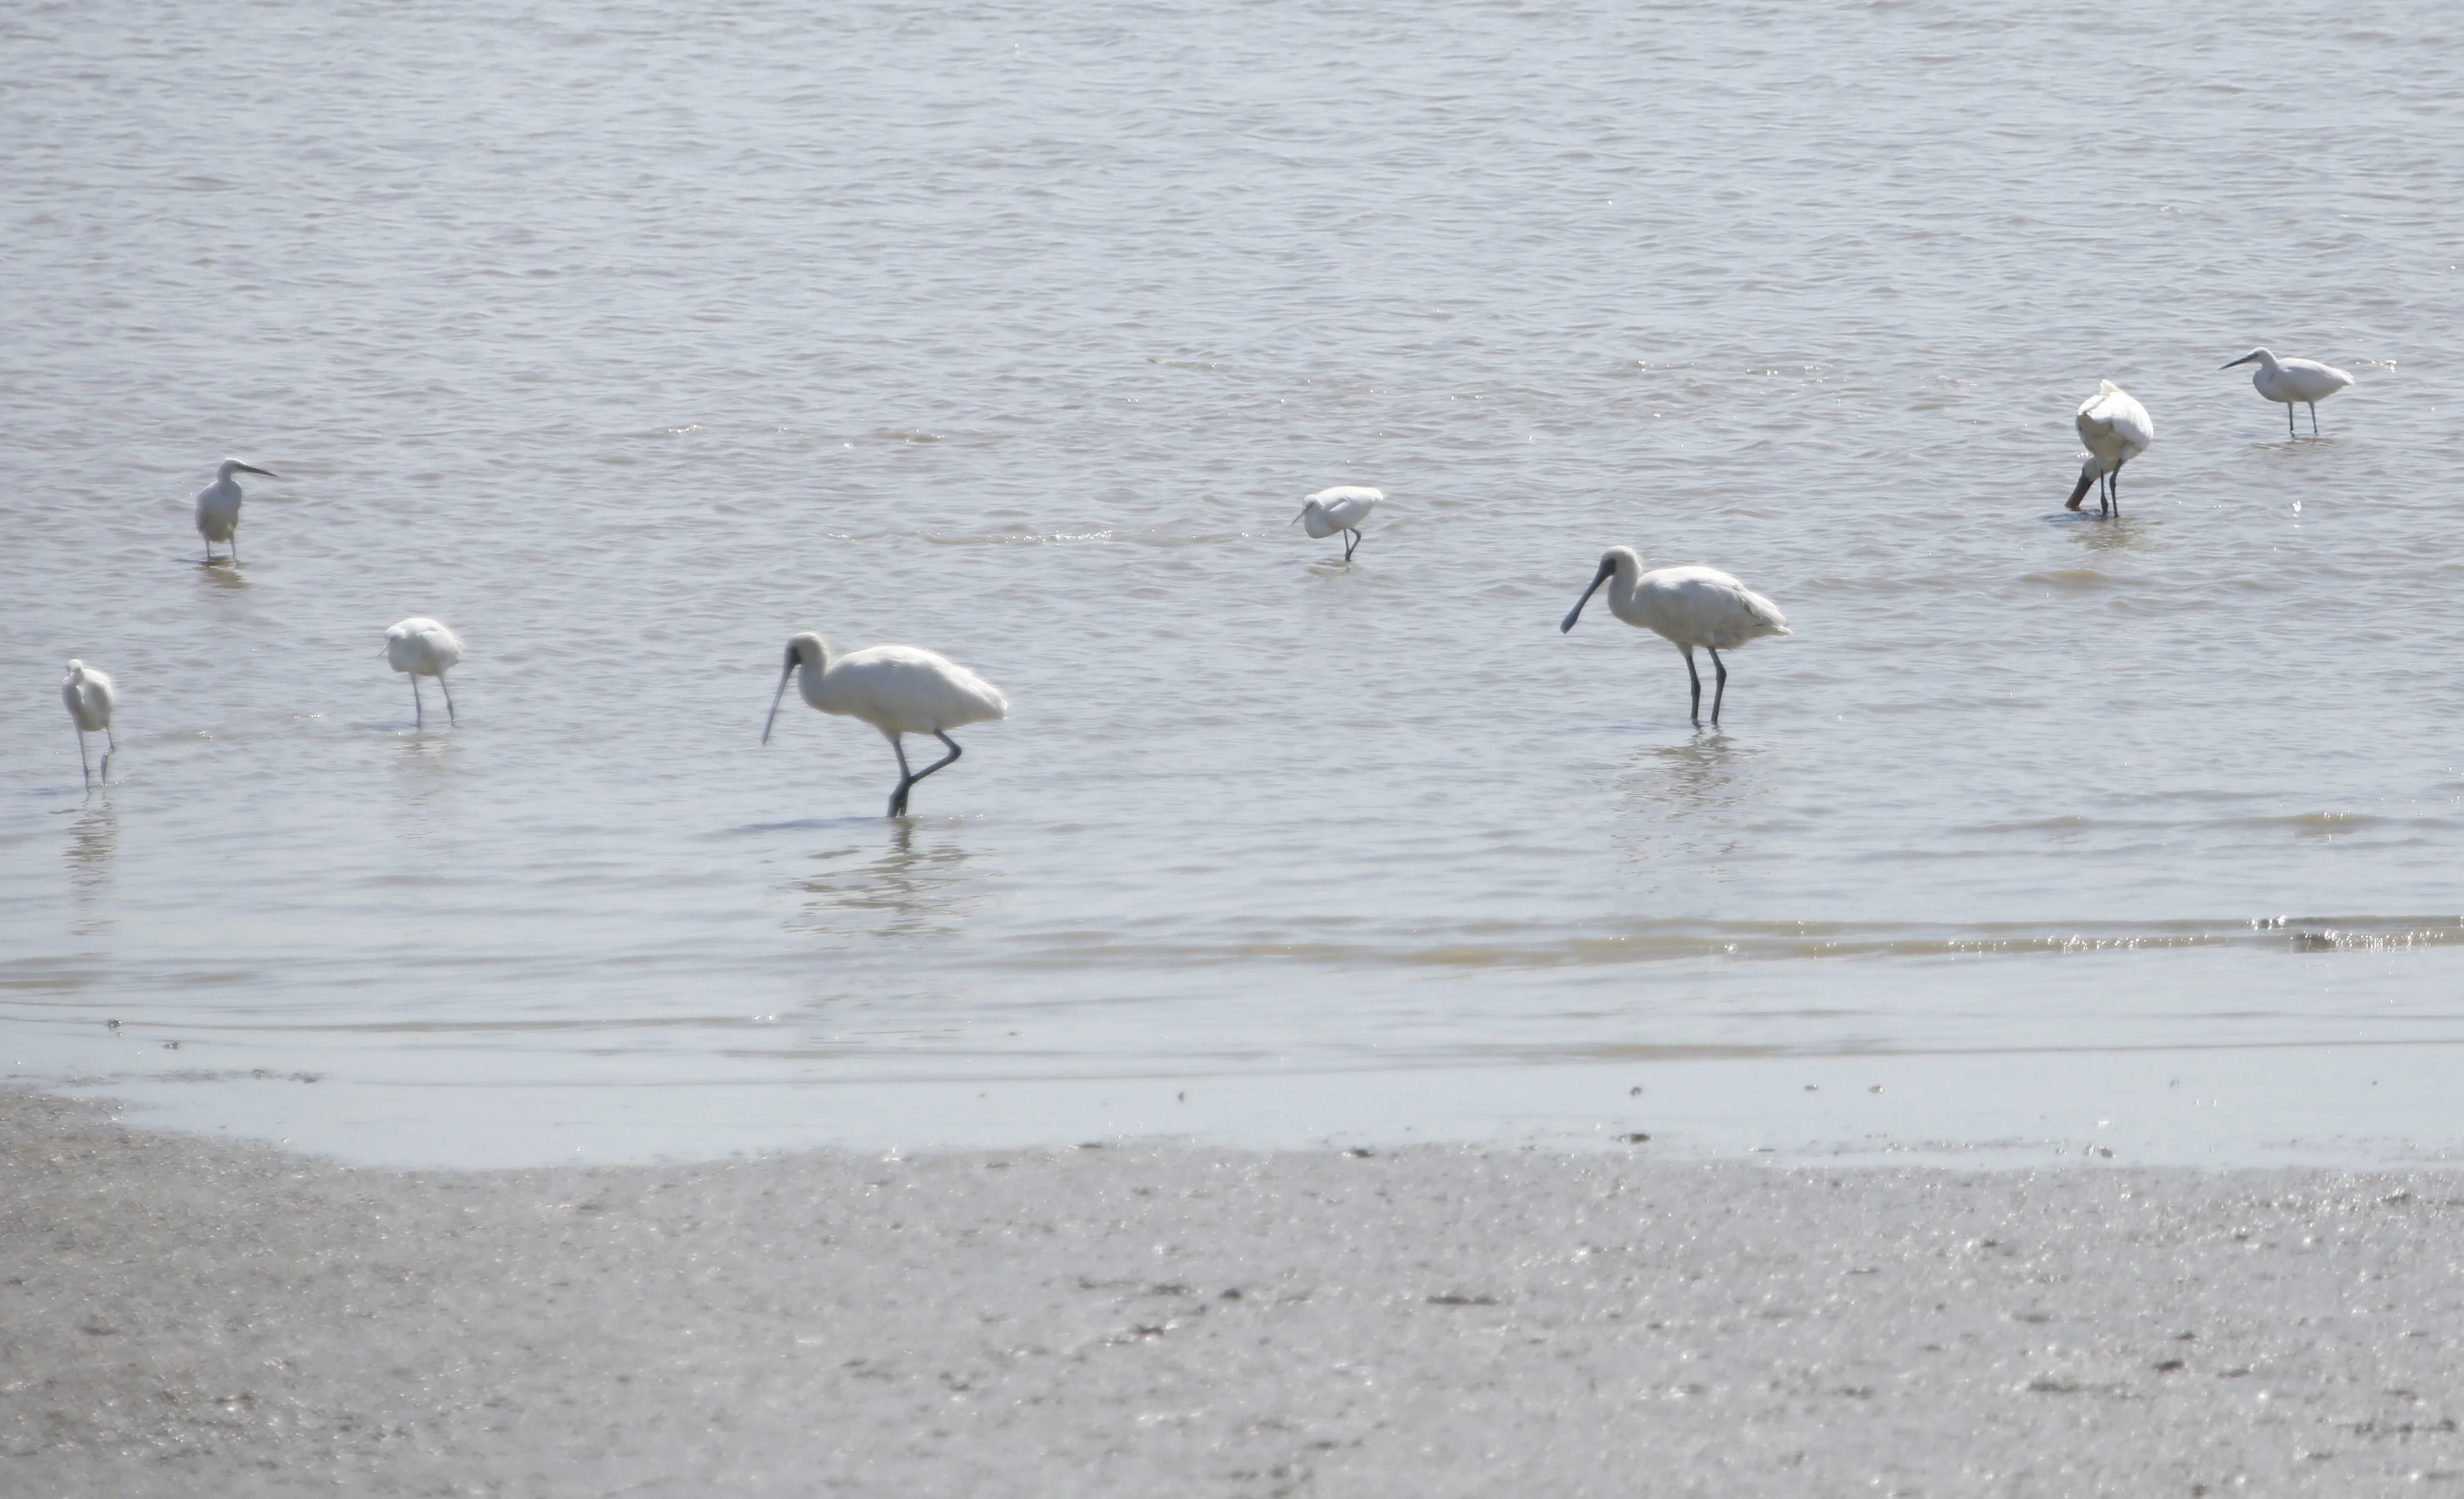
90, 699
2115, 428
421, 647
897, 690
1341, 507
218, 507
1688, 606
2306, 381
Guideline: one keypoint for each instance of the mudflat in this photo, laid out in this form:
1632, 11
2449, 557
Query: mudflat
179, 1317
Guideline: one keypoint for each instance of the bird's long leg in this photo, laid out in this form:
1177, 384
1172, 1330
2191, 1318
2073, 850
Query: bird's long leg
449, 700
418, 708
2314, 416
82, 763
1720, 691
2117, 492
946, 759
2288, 421
1348, 547
906, 778
1695, 711
235, 543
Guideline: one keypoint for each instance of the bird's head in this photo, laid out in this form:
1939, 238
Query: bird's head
76, 669
805, 649
232, 466
2261, 355
1306, 506
1611, 561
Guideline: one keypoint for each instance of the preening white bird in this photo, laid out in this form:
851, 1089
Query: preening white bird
421, 647
2115, 428
1341, 507
89, 696
1688, 606
218, 506
897, 690
2306, 381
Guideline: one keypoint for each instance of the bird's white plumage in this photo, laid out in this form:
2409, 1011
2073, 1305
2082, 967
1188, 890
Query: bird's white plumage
218, 506
90, 699
422, 647
2294, 382
1341, 507
896, 688
1687, 606
2114, 428
89, 695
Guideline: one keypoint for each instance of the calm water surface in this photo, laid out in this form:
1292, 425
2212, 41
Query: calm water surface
629, 342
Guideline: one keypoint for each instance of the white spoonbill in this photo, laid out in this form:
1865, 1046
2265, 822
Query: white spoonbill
1688, 606
2306, 381
1341, 507
89, 695
421, 647
897, 690
2115, 428
218, 506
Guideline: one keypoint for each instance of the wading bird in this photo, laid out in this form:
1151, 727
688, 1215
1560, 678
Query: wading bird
897, 690
1341, 507
218, 506
2306, 381
1688, 606
421, 647
2115, 428
89, 695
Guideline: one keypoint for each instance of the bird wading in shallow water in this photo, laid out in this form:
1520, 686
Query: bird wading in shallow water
2115, 428
421, 647
218, 507
2292, 381
896, 688
1341, 507
1688, 606
89, 696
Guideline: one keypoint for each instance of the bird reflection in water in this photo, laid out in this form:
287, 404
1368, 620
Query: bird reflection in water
94, 842
1692, 803
914, 883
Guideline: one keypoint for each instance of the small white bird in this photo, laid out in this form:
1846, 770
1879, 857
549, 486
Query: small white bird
897, 690
218, 506
2291, 379
1688, 606
1341, 507
2115, 428
421, 647
89, 695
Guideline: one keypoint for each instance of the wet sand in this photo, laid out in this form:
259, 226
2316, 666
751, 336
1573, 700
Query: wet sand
183, 1318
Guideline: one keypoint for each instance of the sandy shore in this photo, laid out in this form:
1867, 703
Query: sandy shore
182, 1317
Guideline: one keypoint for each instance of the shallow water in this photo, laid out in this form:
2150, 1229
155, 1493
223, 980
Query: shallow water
629, 343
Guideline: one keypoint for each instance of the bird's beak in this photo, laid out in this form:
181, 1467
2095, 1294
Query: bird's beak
249, 468
777, 697
1296, 519
2244, 360
1607, 571
2087, 478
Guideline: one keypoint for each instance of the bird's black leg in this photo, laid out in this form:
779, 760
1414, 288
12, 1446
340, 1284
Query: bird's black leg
946, 759
418, 708
449, 716
1695, 711
2288, 421
82, 763
1352, 542
906, 778
2117, 492
1720, 691
2314, 417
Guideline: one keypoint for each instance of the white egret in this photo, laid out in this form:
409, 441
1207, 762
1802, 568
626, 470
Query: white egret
2115, 428
897, 690
218, 506
90, 699
1341, 507
421, 647
1688, 606
2294, 380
